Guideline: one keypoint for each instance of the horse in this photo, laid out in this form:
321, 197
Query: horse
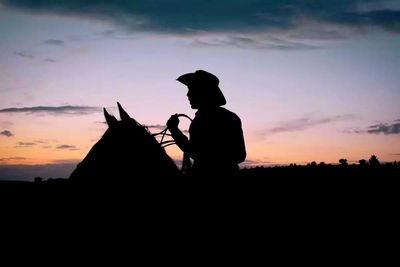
127, 150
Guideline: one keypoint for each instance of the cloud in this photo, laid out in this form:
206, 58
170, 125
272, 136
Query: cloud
159, 127
54, 42
187, 17
11, 158
24, 55
384, 128
50, 60
44, 143
378, 128
25, 144
67, 147
304, 123
155, 126
66, 161
253, 163
60, 110
6, 133
34, 53
251, 41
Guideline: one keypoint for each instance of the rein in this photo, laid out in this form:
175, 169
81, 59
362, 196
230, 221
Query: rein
186, 163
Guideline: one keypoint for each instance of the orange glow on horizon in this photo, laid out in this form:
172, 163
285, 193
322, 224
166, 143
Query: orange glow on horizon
78, 135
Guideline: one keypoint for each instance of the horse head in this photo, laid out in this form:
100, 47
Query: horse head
125, 151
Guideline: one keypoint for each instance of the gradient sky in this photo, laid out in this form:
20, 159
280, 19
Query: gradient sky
311, 80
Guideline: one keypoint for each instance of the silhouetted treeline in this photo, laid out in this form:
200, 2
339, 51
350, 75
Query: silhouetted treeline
364, 169
371, 168
323, 171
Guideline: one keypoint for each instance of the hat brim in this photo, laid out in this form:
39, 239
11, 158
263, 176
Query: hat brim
213, 92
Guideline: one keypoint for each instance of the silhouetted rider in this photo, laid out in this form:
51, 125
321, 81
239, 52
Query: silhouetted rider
216, 142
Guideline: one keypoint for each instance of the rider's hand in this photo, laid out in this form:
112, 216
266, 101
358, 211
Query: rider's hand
173, 122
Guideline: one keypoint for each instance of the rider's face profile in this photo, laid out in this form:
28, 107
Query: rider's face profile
194, 97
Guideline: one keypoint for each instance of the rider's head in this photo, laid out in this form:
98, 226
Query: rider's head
203, 89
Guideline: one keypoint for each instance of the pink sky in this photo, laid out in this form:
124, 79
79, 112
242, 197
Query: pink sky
331, 99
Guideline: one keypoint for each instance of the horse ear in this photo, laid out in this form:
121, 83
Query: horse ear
111, 120
122, 113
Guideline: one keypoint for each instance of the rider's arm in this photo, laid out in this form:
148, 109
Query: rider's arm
238, 152
241, 147
180, 139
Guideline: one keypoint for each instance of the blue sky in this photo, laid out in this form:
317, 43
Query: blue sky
311, 80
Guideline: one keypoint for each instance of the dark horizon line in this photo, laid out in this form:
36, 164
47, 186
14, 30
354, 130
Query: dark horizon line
241, 165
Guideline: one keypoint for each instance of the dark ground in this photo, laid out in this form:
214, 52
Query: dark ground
281, 182
284, 212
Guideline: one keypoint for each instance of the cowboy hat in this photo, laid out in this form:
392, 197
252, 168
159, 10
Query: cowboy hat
207, 83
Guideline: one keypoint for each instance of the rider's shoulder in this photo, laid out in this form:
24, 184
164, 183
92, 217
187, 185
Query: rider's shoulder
228, 113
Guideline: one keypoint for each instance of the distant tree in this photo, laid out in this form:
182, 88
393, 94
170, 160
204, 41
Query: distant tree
322, 164
313, 164
373, 161
362, 162
343, 162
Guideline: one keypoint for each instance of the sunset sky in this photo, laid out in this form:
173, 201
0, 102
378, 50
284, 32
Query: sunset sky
311, 80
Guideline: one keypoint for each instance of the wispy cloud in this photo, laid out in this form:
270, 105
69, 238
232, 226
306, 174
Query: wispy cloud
155, 126
160, 127
251, 41
66, 161
45, 143
24, 55
117, 34
50, 60
304, 123
12, 158
40, 54
25, 144
6, 133
53, 110
54, 42
253, 163
66, 147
